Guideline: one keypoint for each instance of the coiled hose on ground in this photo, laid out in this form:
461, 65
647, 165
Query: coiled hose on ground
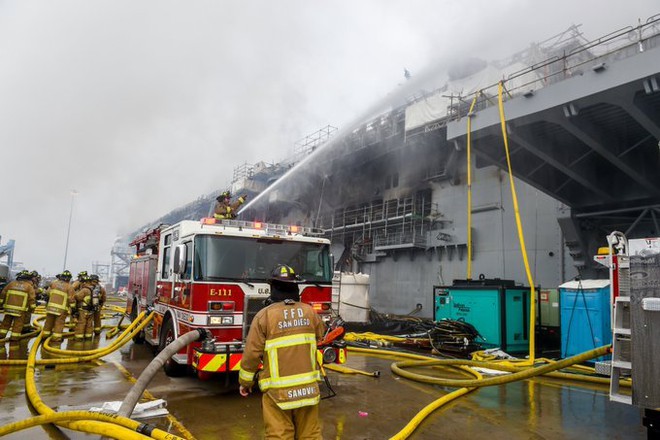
109, 425
519, 372
88, 355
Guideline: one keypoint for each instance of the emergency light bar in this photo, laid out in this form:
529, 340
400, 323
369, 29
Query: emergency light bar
271, 228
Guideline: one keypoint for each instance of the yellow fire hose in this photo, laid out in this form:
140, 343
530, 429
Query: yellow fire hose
470, 384
348, 370
399, 368
105, 424
25, 335
120, 427
111, 347
380, 339
58, 418
128, 334
41, 310
519, 372
116, 329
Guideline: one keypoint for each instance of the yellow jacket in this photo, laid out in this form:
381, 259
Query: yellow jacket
60, 297
284, 335
19, 297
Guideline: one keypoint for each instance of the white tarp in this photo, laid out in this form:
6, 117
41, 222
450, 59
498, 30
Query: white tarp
429, 109
354, 297
435, 106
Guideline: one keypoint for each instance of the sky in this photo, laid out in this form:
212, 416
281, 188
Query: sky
141, 107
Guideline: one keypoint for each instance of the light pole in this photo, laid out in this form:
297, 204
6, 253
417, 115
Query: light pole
68, 230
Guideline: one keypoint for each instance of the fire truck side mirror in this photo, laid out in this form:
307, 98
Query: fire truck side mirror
179, 259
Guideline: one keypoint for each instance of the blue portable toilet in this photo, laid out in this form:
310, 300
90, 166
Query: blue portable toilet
585, 316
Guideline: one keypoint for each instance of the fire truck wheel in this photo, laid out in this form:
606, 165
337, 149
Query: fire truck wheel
171, 368
139, 338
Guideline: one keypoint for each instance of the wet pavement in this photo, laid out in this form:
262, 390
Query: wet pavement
364, 408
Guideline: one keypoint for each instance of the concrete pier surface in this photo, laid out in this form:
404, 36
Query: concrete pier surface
364, 407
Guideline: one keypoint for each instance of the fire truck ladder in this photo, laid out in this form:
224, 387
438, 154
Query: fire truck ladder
336, 293
622, 335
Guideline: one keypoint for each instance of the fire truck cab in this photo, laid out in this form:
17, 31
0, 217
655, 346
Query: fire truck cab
213, 274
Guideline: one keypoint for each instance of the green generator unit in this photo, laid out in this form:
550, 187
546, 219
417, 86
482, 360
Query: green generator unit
498, 309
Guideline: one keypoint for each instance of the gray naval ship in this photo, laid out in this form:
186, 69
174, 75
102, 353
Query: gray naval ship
582, 123
391, 191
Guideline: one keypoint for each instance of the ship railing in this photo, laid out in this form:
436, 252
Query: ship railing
623, 43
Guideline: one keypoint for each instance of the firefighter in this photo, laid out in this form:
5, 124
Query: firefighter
60, 301
224, 209
85, 303
284, 336
102, 296
19, 301
81, 277
39, 295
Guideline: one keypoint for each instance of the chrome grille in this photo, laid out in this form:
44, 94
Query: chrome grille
252, 305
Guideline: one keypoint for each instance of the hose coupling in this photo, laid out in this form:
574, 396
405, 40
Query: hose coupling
145, 429
203, 334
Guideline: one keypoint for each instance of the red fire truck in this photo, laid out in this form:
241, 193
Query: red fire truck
213, 275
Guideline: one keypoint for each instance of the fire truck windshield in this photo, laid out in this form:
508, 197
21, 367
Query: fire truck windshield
246, 259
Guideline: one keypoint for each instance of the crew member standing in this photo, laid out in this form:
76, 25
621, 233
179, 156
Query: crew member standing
102, 296
284, 336
60, 300
85, 302
80, 279
224, 209
39, 294
20, 299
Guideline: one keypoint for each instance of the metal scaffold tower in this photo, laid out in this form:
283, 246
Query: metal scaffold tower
120, 260
102, 270
311, 142
243, 171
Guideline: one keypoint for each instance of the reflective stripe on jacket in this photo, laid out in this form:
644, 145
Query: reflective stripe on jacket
285, 335
19, 297
58, 297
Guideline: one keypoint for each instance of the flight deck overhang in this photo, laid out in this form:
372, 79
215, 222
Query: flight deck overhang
591, 140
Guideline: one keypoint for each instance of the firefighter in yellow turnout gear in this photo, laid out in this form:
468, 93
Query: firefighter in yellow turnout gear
87, 302
79, 281
39, 294
102, 295
60, 301
283, 336
224, 209
19, 302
